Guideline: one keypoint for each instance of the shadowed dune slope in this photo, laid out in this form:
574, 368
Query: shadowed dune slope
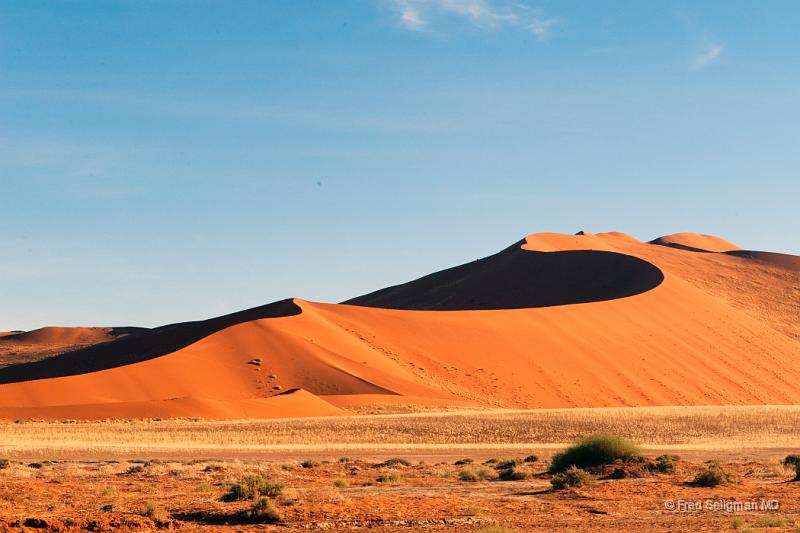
140, 346
677, 327
518, 278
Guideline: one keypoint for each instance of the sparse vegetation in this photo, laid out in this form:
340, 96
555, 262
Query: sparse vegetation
308, 463
251, 487
107, 508
793, 461
36, 466
4, 463
531, 458
571, 477
465, 461
468, 474
512, 474
340, 484
664, 464
151, 510
770, 521
713, 476
135, 469
263, 511
595, 450
388, 478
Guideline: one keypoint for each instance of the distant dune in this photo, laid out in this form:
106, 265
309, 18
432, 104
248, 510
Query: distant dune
554, 320
696, 242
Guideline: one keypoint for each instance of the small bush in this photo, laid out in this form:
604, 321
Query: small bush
340, 484
309, 464
151, 510
512, 474
485, 473
251, 487
571, 477
213, 468
107, 508
465, 461
468, 474
490, 461
793, 461
714, 475
664, 464
394, 461
388, 478
35, 465
4, 463
135, 469
531, 459
595, 450
262, 512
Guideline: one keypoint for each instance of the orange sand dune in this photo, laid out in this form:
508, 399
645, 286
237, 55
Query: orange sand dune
696, 241
28, 346
552, 321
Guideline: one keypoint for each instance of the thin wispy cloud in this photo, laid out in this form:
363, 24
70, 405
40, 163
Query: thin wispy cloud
418, 15
707, 56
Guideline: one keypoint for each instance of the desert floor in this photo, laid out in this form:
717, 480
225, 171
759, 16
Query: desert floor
161, 474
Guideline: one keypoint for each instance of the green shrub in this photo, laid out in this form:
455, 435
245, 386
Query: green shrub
571, 477
468, 474
595, 450
388, 478
262, 512
664, 464
714, 475
253, 486
485, 473
151, 510
340, 484
512, 474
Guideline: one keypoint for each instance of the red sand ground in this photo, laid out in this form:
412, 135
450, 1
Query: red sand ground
554, 321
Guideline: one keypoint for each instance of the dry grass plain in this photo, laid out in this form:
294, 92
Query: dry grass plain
682, 428
74, 476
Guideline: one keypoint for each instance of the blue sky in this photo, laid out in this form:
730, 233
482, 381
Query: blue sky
160, 160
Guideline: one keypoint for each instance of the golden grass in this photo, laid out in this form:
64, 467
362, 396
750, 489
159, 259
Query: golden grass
665, 427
